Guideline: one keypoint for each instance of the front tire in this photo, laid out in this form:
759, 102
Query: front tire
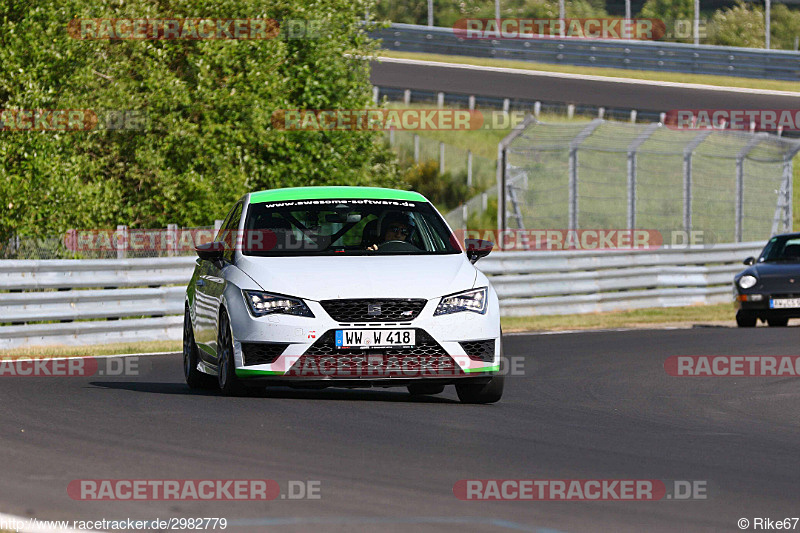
476, 393
745, 319
229, 384
194, 378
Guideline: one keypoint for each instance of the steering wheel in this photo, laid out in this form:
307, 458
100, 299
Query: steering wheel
396, 246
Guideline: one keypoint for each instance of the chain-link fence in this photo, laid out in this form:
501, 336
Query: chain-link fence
459, 163
732, 186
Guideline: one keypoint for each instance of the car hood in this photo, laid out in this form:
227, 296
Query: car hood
765, 271
324, 278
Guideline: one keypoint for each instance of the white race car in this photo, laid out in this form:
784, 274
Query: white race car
344, 287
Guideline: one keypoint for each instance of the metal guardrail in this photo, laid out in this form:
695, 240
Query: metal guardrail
100, 301
567, 282
638, 55
79, 302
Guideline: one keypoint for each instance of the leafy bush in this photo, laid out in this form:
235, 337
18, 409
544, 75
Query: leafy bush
209, 104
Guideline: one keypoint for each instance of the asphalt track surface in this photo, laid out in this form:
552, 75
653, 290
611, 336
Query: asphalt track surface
552, 87
594, 405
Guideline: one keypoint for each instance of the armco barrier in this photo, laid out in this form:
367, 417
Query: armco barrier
106, 301
566, 282
638, 55
100, 301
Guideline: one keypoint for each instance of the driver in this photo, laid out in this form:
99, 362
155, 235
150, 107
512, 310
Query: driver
396, 227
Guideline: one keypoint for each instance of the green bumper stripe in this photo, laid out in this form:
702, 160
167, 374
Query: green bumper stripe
330, 193
483, 369
245, 372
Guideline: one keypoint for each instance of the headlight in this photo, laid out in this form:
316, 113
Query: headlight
748, 281
472, 300
264, 303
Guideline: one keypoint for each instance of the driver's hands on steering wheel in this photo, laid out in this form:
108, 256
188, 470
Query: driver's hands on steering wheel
376, 247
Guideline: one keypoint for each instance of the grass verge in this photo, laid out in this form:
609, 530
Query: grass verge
619, 319
99, 349
651, 75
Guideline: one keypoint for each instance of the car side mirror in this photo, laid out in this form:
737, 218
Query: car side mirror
210, 251
477, 248
749, 261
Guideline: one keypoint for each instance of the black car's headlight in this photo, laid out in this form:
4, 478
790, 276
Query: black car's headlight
474, 300
747, 281
264, 303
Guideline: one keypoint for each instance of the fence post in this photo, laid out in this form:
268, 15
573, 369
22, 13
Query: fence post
469, 168
788, 171
506, 105
172, 239
441, 157
440, 100
464, 215
570, 111
780, 222
122, 241
632, 149
416, 148
407, 96
740, 157
472, 102
391, 137
601, 112
573, 170
376, 92
687, 178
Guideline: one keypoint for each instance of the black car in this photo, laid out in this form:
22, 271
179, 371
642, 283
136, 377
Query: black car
769, 289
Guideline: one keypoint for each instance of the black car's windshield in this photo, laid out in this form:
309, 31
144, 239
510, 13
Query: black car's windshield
346, 227
781, 249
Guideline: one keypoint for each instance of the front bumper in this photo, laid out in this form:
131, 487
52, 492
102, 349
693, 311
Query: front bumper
298, 350
761, 307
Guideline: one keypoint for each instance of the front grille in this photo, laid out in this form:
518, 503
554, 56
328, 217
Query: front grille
358, 310
261, 353
425, 345
479, 350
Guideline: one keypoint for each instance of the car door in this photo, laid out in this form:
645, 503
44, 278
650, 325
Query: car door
210, 284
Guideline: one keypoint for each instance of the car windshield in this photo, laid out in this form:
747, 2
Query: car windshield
345, 227
781, 249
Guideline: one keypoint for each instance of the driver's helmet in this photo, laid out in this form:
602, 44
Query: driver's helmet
401, 218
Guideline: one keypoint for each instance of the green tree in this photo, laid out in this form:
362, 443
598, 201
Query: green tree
740, 25
669, 11
785, 26
209, 103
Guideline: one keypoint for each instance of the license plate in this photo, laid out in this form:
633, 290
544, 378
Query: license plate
784, 303
374, 338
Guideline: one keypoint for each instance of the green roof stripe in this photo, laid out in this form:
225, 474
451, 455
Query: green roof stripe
334, 193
